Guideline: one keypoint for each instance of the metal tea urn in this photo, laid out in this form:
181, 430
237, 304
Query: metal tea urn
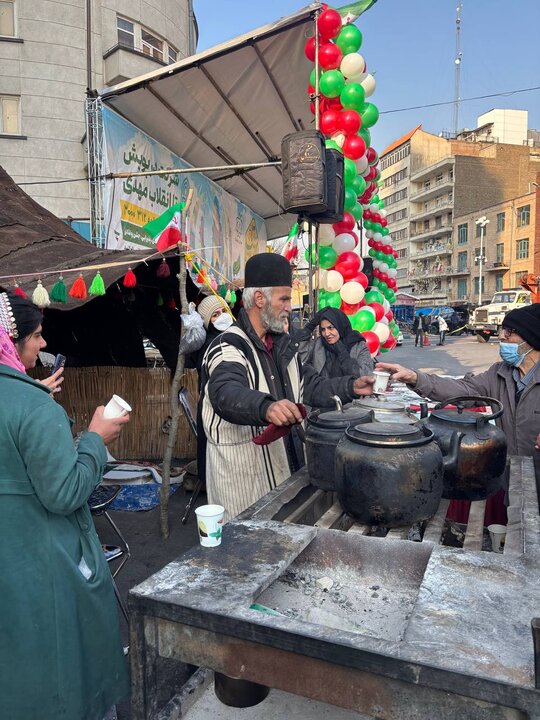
482, 455
386, 409
391, 474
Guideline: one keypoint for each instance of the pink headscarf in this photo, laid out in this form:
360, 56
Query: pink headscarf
8, 352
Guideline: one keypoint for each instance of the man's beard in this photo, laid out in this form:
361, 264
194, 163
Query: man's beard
270, 322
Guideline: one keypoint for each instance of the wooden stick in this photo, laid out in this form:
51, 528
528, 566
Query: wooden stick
175, 389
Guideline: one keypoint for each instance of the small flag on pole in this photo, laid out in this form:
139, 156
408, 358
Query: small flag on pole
165, 229
290, 249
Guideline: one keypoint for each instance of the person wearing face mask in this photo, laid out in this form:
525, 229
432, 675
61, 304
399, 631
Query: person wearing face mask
515, 382
216, 318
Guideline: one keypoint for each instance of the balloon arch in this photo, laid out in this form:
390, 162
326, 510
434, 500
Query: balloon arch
339, 86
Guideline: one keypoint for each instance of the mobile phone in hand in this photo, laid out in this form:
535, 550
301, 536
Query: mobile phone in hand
59, 361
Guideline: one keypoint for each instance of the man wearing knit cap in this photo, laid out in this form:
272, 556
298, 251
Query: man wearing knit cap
515, 382
252, 378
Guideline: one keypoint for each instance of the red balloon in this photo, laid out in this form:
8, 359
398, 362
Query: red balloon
309, 49
371, 243
349, 309
391, 282
371, 155
390, 344
348, 221
330, 56
329, 122
383, 221
379, 310
347, 270
370, 175
351, 122
360, 278
378, 245
350, 258
354, 147
334, 103
366, 215
387, 249
389, 315
372, 341
329, 24
395, 254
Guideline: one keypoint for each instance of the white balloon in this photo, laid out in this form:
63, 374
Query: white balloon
382, 212
323, 274
384, 319
377, 264
369, 84
339, 139
327, 234
361, 266
374, 208
358, 78
386, 305
382, 331
369, 234
352, 293
334, 281
384, 267
343, 243
364, 173
392, 272
362, 165
352, 65
377, 236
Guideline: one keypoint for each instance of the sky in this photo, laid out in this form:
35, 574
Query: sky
410, 45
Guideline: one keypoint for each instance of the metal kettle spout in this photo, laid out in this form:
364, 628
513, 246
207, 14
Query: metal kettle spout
450, 461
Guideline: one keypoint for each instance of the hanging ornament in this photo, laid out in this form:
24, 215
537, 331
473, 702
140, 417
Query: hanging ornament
18, 291
232, 301
59, 291
40, 296
129, 280
78, 289
200, 278
223, 291
163, 270
228, 297
98, 286
213, 283
159, 300
171, 304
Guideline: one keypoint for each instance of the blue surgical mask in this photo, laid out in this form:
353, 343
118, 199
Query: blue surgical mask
509, 352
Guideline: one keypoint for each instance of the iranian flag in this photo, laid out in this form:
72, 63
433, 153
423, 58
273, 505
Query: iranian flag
290, 249
165, 229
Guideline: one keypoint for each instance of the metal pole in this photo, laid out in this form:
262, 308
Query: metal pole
185, 171
317, 110
480, 264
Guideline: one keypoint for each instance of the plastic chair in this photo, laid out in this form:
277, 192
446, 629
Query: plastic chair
99, 501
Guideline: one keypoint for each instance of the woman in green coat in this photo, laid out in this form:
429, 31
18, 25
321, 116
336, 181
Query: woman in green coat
60, 648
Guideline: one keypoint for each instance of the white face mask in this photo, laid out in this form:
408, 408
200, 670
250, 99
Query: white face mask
223, 322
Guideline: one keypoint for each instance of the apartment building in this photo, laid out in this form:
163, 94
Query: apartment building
50, 53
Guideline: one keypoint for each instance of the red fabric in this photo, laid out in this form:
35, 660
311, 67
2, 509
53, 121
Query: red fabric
458, 510
268, 343
168, 238
274, 432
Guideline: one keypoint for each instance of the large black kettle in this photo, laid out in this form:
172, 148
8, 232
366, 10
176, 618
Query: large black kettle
391, 474
482, 454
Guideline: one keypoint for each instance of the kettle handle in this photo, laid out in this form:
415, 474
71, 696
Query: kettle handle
469, 398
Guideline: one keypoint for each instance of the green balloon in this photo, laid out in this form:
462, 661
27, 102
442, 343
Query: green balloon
368, 225
381, 204
379, 255
375, 282
371, 252
363, 320
358, 184
352, 96
391, 297
375, 199
370, 115
332, 145
313, 77
350, 173
350, 198
373, 296
385, 231
332, 83
349, 39
376, 227
383, 287
357, 211
331, 299
327, 257
365, 135
395, 331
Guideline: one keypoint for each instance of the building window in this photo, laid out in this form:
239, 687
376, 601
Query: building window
126, 32
451, 175
7, 18
479, 230
402, 252
462, 261
426, 225
396, 177
477, 283
500, 222
462, 288
524, 215
397, 215
438, 179
10, 115
500, 253
427, 184
395, 197
399, 235
151, 45
499, 282
462, 234
450, 197
172, 56
438, 221
394, 157
522, 249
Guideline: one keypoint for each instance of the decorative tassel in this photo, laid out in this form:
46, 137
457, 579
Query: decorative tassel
223, 291
228, 297
40, 296
171, 304
163, 270
78, 289
159, 300
129, 280
18, 291
59, 291
233, 298
200, 278
98, 286
213, 283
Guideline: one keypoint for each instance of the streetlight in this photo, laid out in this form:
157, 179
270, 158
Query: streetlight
482, 221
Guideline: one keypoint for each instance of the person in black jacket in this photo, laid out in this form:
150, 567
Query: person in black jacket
252, 377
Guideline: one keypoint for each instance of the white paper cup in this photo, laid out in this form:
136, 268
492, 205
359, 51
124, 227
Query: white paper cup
381, 381
497, 534
209, 524
116, 407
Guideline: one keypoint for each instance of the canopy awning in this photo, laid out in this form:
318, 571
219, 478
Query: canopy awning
231, 104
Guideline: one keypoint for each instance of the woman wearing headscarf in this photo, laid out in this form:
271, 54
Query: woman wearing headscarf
339, 350
61, 654
216, 318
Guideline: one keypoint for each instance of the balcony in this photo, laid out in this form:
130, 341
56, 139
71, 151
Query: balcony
424, 252
427, 172
436, 188
498, 266
435, 209
121, 62
420, 274
459, 270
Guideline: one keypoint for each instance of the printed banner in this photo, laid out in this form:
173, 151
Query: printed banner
221, 228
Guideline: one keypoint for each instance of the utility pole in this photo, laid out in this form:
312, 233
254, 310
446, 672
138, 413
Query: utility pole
482, 221
457, 71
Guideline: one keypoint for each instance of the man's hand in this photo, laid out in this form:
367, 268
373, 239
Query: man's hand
283, 412
364, 385
537, 445
108, 428
398, 373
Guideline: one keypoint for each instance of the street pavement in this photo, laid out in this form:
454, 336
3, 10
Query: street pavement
149, 552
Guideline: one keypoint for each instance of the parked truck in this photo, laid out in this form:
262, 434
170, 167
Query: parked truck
487, 319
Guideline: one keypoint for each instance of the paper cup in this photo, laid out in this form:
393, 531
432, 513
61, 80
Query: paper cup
381, 381
116, 407
209, 524
497, 534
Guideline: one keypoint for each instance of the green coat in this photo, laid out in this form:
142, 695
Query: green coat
61, 654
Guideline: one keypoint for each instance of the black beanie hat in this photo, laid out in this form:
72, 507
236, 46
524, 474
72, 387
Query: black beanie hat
526, 322
267, 270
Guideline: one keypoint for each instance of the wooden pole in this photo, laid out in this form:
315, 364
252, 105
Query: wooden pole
173, 396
